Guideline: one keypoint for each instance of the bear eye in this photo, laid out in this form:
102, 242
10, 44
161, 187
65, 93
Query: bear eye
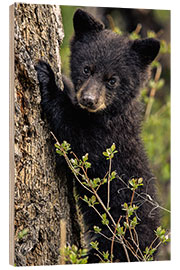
112, 81
87, 70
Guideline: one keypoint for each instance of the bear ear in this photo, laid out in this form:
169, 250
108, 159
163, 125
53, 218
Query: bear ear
147, 49
85, 22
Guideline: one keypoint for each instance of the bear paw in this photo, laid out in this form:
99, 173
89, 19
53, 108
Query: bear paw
44, 72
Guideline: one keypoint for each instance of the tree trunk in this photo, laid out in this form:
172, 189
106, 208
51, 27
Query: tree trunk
39, 210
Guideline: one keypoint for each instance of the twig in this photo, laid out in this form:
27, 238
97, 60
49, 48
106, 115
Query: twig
112, 243
153, 92
132, 197
69, 164
138, 28
126, 245
101, 182
150, 200
92, 191
130, 247
111, 22
109, 178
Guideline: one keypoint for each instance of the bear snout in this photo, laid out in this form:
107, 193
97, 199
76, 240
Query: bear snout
88, 100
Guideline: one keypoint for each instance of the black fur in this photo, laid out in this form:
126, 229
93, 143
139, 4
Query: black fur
107, 56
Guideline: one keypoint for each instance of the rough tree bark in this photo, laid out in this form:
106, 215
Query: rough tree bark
40, 211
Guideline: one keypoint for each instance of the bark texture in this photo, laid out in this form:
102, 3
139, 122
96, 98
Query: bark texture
41, 210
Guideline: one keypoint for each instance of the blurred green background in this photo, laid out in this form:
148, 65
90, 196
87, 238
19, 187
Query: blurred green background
156, 96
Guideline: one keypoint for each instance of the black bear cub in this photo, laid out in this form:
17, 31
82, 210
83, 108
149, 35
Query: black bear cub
98, 108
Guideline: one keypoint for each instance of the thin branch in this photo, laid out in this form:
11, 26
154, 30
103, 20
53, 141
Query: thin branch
69, 163
112, 244
138, 28
149, 200
109, 178
126, 245
153, 92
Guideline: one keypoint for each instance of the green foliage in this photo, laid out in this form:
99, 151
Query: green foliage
163, 238
130, 209
74, 255
135, 183
23, 233
105, 221
148, 253
65, 146
161, 234
162, 16
90, 201
67, 17
103, 255
97, 229
156, 135
120, 230
133, 222
109, 153
95, 245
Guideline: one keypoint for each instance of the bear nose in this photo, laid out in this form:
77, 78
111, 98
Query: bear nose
88, 100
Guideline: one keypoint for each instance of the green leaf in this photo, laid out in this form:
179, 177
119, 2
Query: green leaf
151, 34
106, 255
160, 84
87, 165
134, 36
134, 222
94, 245
140, 180
74, 162
120, 231
93, 199
23, 233
83, 261
110, 152
85, 157
57, 146
59, 152
97, 229
152, 83
117, 30
66, 146
96, 182
155, 64
74, 248
84, 252
104, 180
113, 175
125, 206
160, 232
164, 47
85, 198
105, 221
113, 147
135, 183
75, 255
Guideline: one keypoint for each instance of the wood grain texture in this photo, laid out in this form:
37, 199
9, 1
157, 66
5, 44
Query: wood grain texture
37, 205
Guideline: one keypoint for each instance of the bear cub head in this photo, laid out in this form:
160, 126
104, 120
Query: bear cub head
107, 69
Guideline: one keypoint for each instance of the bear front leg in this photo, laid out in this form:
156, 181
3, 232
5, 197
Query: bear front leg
52, 98
46, 80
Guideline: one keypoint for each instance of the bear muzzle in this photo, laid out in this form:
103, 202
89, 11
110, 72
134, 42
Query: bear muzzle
91, 96
89, 100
